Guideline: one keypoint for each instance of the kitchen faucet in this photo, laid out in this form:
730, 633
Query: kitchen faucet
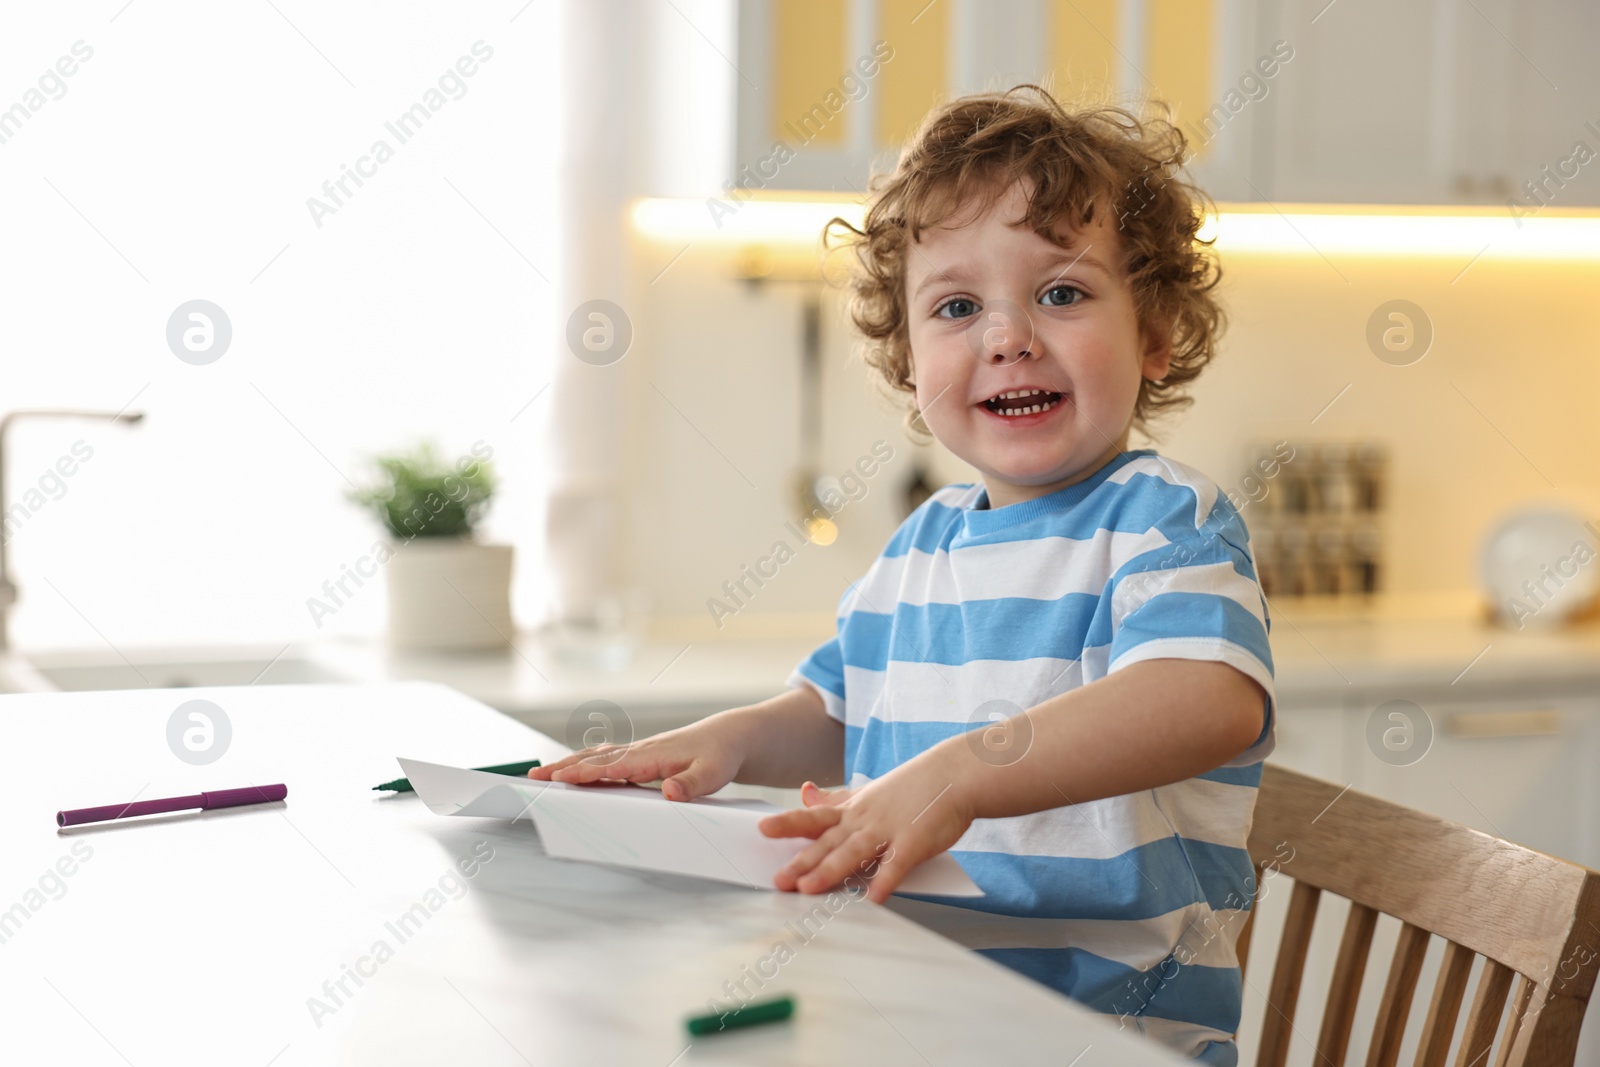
8, 588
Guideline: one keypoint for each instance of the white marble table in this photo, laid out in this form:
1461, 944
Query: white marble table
203, 938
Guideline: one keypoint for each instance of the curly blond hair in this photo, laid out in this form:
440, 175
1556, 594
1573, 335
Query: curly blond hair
1078, 163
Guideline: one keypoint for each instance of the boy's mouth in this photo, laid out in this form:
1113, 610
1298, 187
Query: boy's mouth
1018, 402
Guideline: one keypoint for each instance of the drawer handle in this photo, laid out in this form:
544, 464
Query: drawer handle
1527, 723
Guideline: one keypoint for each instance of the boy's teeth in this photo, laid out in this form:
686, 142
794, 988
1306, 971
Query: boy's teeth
1004, 403
1013, 412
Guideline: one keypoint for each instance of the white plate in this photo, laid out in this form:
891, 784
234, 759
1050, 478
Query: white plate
1538, 566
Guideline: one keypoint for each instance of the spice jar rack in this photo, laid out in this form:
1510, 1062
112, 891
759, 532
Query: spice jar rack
1315, 513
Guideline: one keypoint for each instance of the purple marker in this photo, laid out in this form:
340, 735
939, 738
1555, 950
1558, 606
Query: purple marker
217, 798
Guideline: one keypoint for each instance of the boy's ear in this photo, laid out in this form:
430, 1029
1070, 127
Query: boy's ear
1157, 350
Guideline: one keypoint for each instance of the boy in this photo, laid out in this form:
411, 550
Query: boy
1061, 673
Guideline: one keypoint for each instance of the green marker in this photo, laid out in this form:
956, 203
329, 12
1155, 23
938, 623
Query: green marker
400, 785
766, 1011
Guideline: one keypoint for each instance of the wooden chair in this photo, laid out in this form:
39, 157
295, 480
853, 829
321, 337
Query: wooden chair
1531, 916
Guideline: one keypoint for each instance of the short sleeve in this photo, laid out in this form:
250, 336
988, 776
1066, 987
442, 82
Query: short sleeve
824, 671
824, 668
1198, 598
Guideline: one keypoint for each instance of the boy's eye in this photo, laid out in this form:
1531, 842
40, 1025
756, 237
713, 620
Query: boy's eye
959, 308
1061, 296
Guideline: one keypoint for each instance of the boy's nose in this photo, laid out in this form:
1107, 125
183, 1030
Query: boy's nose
1006, 335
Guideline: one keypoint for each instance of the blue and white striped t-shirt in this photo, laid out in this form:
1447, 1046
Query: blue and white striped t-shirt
1132, 904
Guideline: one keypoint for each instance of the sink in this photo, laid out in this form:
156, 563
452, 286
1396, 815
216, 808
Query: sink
77, 671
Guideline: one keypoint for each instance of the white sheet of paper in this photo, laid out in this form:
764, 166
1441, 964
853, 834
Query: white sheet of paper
634, 826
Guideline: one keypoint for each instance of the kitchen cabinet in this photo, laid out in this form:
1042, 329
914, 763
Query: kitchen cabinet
809, 89
1518, 766
1310, 739
1456, 101
828, 89
1352, 118
1368, 101
1551, 108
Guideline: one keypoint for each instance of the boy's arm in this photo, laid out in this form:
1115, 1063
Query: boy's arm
781, 741
1149, 724
789, 739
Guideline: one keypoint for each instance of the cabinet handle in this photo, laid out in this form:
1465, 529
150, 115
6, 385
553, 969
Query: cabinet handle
1527, 723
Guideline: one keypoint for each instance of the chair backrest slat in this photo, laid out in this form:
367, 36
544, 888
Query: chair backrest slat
1395, 1007
1528, 914
1549, 1029
1345, 989
1284, 992
1519, 1008
1242, 945
1484, 1018
1445, 1007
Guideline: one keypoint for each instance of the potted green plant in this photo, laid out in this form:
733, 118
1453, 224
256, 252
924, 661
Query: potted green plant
447, 589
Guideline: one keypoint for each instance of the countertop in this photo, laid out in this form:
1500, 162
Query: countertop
1318, 655
1321, 655
225, 936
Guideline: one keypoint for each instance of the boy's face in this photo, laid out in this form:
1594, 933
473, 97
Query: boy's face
995, 308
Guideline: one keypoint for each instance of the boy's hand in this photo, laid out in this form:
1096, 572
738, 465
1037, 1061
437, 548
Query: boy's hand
690, 762
910, 814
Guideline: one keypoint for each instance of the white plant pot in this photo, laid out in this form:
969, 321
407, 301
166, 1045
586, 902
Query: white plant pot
449, 593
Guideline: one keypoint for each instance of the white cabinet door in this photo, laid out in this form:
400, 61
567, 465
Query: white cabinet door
1551, 101
1356, 115
1310, 739
1521, 768
1230, 131
1472, 107
1518, 115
